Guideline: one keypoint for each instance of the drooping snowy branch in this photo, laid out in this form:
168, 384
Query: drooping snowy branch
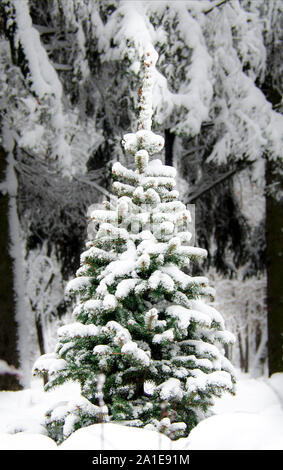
44, 79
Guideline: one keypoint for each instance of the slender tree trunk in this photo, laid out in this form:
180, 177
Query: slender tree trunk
168, 144
242, 357
40, 336
8, 325
274, 262
247, 351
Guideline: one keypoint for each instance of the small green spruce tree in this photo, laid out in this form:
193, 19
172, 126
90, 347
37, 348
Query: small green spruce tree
142, 323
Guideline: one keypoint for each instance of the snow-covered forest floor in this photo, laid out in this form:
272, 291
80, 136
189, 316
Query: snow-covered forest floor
252, 419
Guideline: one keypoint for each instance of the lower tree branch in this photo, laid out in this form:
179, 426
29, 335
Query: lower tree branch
219, 4
222, 178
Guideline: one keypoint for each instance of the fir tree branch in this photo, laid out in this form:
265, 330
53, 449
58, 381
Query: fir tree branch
95, 185
241, 166
219, 4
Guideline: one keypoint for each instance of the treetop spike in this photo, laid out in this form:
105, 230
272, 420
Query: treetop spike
144, 138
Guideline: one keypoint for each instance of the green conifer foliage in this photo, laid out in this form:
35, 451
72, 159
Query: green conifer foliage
142, 324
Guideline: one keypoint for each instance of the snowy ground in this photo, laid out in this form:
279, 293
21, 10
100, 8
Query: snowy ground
253, 419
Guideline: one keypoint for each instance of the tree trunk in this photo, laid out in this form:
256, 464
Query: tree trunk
247, 351
8, 325
242, 356
40, 337
168, 145
274, 263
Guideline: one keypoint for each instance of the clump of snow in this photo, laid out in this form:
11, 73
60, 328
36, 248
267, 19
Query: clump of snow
238, 431
77, 284
26, 441
120, 334
6, 369
171, 390
201, 381
184, 316
49, 363
110, 436
124, 287
146, 139
167, 335
70, 411
109, 302
78, 330
131, 349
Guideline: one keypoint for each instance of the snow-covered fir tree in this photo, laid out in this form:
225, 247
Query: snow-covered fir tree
143, 330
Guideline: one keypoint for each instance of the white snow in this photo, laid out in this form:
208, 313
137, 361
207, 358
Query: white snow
115, 437
179, 277
45, 83
161, 279
77, 329
151, 142
44, 77
131, 349
16, 250
90, 305
49, 362
157, 168
6, 369
26, 441
185, 316
102, 349
122, 267
109, 302
119, 333
200, 381
167, 335
77, 284
252, 419
124, 288
171, 390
